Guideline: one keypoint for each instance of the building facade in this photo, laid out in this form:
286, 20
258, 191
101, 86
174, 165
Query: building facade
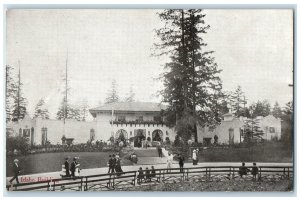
133, 122
230, 130
136, 121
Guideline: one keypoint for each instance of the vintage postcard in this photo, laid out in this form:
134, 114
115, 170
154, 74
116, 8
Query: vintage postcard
149, 100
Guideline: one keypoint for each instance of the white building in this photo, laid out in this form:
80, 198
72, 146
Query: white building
135, 121
132, 122
230, 130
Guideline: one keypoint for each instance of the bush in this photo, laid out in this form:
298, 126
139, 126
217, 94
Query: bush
20, 144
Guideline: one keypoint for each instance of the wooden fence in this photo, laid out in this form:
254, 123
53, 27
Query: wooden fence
115, 181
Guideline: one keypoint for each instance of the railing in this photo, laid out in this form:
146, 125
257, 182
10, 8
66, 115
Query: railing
129, 179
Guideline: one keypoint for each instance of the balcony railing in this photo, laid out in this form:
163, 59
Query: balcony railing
137, 122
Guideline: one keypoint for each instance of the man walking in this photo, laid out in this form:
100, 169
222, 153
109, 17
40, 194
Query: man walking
113, 163
16, 169
181, 162
67, 167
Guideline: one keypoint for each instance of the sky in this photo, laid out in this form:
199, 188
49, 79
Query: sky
254, 49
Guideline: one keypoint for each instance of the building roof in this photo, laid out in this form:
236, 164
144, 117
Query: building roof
129, 107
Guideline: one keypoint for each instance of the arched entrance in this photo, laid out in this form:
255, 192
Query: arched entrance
157, 135
139, 136
121, 135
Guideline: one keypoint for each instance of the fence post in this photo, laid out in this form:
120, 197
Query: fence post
205, 173
187, 174
259, 173
288, 172
85, 188
233, 171
81, 184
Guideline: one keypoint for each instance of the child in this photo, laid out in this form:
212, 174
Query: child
254, 171
140, 175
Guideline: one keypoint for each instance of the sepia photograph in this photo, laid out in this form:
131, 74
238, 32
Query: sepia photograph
149, 100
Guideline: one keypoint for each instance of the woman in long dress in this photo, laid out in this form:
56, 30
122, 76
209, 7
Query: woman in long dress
77, 167
194, 157
118, 167
169, 161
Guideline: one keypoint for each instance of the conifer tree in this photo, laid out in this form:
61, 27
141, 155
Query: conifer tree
130, 96
192, 86
41, 110
112, 95
276, 112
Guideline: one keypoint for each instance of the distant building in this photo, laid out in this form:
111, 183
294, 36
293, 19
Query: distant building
230, 130
132, 122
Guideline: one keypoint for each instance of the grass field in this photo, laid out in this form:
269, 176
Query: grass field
268, 152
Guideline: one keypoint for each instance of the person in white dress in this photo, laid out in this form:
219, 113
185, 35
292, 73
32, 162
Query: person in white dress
169, 161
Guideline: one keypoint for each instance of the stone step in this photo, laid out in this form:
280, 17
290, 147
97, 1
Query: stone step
151, 160
146, 152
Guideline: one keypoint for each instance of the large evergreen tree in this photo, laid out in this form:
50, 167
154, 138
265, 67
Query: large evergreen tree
20, 102
10, 92
41, 110
112, 95
192, 86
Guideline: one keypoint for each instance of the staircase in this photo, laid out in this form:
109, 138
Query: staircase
150, 152
148, 156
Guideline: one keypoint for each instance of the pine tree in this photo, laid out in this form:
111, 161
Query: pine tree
238, 102
20, 102
260, 108
83, 109
68, 111
112, 95
10, 92
276, 112
130, 96
40, 110
192, 86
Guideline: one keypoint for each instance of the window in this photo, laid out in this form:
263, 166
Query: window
272, 130
20, 132
44, 136
121, 118
26, 132
210, 129
140, 118
92, 135
167, 133
157, 118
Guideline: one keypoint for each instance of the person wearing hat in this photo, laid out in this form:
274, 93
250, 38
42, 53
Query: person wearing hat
16, 169
73, 167
67, 167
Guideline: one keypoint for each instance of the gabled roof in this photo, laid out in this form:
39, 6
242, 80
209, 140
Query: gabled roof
129, 107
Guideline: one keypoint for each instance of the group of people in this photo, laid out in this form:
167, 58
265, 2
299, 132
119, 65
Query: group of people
74, 168
114, 164
243, 170
146, 175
